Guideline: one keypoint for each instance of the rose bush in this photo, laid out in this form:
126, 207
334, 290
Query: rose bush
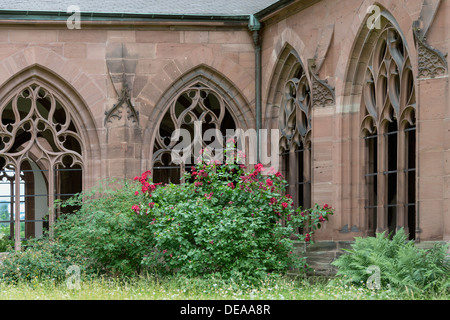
223, 220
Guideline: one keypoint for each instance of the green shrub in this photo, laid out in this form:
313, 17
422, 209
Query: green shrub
41, 260
5, 243
104, 231
220, 222
102, 237
401, 264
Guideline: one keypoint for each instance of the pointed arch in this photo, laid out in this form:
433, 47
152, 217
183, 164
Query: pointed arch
209, 83
380, 91
289, 109
290, 73
288, 43
359, 42
81, 114
45, 142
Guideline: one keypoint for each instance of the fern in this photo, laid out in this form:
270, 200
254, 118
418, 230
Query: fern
401, 263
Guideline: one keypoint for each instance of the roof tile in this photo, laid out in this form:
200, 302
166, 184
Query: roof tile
169, 7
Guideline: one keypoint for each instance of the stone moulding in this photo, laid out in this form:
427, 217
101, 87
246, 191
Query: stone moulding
431, 62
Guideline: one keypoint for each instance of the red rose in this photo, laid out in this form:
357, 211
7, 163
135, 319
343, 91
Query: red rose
307, 237
136, 208
259, 167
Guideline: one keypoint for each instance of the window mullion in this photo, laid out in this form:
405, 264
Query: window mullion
401, 181
382, 185
17, 243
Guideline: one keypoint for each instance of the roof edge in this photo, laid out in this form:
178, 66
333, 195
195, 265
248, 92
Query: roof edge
117, 17
280, 4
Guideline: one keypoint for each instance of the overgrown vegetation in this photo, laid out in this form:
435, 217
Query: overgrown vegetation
400, 264
220, 222
104, 230
224, 222
183, 288
222, 228
42, 261
5, 243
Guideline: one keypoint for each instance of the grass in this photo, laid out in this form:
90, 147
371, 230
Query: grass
204, 289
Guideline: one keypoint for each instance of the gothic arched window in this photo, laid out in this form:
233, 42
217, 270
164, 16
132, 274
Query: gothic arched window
196, 109
295, 129
40, 161
388, 128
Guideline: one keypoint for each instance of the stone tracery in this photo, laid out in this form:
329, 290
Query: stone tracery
388, 89
295, 128
195, 109
388, 107
39, 136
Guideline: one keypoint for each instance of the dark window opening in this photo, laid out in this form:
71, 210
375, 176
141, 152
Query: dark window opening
411, 180
371, 178
391, 173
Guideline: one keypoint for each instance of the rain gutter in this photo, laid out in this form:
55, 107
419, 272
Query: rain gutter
254, 26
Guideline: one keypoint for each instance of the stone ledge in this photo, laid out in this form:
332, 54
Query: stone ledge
321, 254
430, 244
